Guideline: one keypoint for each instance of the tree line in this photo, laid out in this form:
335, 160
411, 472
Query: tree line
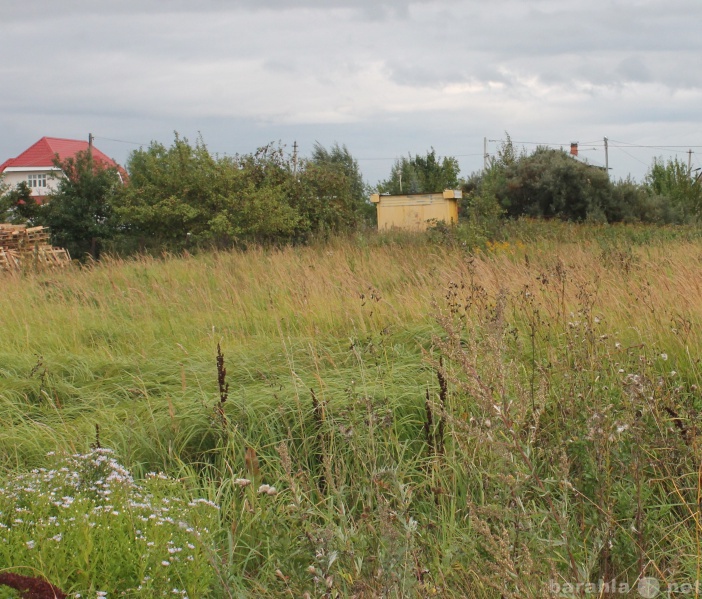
183, 197
548, 183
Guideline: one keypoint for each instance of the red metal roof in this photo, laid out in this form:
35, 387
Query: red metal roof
42, 153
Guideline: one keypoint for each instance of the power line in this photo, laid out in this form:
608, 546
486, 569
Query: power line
672, 147
451, 156
122, 141
658, 147
630, 155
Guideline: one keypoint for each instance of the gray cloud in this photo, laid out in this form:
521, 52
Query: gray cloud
389, 76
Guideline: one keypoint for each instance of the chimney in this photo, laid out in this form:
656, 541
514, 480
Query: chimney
574, 148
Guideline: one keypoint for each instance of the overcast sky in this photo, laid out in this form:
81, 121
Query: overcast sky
384, 77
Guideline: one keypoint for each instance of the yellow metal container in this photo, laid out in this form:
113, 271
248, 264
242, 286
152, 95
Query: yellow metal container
415, 211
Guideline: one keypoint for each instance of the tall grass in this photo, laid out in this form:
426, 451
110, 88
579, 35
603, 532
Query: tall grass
435, 418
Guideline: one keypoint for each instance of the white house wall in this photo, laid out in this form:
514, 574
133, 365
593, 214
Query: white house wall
14, 175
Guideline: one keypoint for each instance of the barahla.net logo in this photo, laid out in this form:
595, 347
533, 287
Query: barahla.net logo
647, 588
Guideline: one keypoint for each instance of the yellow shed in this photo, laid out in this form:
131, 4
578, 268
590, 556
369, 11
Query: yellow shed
414, 211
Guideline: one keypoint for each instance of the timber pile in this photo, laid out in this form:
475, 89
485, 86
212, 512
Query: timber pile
29, 245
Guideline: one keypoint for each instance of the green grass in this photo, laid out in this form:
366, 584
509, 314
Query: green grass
561, 448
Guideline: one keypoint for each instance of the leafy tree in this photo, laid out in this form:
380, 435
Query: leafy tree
674, 180
183, 195
79, 212
422, 174
19, 207
550, 183
339, 160
481, 189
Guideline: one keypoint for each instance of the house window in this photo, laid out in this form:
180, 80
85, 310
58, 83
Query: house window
36, 180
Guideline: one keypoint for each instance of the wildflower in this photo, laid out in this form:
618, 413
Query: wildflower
30, 544
57, 538
664, 357
242, 482
264, 488
165, 563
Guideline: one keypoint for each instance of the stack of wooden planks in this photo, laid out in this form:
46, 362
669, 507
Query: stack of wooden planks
29, 246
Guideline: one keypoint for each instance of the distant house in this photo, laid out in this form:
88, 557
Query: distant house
35, 166
416, 211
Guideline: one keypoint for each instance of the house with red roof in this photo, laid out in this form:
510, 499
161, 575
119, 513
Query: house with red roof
35, 166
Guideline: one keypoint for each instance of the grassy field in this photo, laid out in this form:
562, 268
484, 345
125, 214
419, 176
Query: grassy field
399, 416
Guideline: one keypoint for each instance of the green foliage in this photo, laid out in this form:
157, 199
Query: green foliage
340, 159
633, 202
550, 183
422, 174
79, 213
85, 525
183, 196
674, 181
18, 207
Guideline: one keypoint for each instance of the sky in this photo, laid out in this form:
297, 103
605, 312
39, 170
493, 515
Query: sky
386, 78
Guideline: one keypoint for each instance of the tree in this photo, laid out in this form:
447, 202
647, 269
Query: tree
674, 180
549, 183
79, 213
184, 196
19, 207
341, 163
422, 174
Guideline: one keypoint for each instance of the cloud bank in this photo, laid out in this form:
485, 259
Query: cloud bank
386, 78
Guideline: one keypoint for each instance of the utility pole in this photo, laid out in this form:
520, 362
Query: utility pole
606, 146
295, 157
485, 154
689, 161
90, 149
